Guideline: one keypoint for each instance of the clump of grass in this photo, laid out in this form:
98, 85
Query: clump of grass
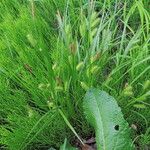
50, 58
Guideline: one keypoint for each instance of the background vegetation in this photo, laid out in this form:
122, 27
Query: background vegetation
51, 52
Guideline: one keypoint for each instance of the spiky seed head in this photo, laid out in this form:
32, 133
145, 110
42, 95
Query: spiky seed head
80, 66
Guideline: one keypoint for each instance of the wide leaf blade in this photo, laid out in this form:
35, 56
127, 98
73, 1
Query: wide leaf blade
104, 114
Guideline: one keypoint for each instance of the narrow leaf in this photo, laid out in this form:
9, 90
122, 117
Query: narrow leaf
70, 126
67, 146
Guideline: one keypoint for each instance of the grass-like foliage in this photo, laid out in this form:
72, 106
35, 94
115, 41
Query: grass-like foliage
52, 52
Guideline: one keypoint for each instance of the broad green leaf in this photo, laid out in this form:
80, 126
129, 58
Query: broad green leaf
103, 113
67, 146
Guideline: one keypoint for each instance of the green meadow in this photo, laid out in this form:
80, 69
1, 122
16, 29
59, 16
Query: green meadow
52, 52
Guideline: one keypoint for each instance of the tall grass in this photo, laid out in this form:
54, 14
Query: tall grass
51, 52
